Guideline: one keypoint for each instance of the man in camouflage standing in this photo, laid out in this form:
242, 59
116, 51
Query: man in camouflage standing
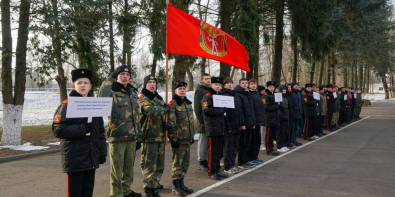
181, 137
124, 131
153, 124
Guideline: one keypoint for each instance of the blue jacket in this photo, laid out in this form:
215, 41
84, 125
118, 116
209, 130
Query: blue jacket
297, 104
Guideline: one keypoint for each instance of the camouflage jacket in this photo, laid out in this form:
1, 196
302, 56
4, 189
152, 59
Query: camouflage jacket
359, 99
181, 120
151, 107
124, 122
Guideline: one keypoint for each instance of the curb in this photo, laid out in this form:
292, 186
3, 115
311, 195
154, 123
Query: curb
25, 156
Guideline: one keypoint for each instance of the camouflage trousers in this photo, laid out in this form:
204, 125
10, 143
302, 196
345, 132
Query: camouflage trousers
335, 118
180, 162
152, 163
122, 156
357, 111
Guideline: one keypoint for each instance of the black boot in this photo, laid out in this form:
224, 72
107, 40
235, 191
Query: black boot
149, 192
177, 190
183, 187
156, 193
133, 194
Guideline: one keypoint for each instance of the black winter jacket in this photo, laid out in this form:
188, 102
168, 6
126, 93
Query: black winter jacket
310, 104
248, 116
215, 120
258, 107
201, 90
270, 109
331, 102
283, 113
234, 115
80, 149
297, 105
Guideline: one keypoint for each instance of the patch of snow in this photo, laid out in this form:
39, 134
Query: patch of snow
25, 147
53, 143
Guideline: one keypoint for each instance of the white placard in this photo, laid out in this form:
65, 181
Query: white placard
345, 97
334, 95
88, 107
224, 101
278, 97
316, 96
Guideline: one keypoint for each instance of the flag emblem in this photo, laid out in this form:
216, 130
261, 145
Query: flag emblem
212, 41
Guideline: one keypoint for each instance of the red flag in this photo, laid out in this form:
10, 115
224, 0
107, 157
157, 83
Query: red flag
187, 35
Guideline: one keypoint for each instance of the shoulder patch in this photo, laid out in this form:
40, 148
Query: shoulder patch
265, 94
305, 99
65, 101
57, 118
304, 93
205, 104
145, 103
208, 94
327, 97
264, 100
141, 96
171, 102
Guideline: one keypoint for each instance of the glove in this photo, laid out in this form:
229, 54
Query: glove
138, 145
88, 127
175, 144
102, 159
166, 126
192, 140
117, 71
167, 108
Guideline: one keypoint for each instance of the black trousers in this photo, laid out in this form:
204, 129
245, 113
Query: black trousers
320, 124
244, 146
230, 148
282, 133
288, 137
270, 137
215, 146
255, 143
328, 121
310, 125
80, 184
344, 115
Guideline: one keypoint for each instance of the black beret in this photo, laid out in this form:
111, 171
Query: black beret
217, 80
147, 78
329, 86
260, 88
270, 83
321, 87
308, 85
81, 73
181, 84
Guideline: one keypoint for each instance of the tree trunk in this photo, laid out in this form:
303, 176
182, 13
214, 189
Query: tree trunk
225, 12
154, 63
328, 70
12, 113
352, 74
112, 63
126, 39
385, 85
334, 61
312, 73
60, 78
345, 77
203, 66
278, 54
233, 73
6, 53
190, 79
179, 70
320, 81
294, 43
360, 78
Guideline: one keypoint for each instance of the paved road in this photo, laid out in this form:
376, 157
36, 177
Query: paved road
357, 161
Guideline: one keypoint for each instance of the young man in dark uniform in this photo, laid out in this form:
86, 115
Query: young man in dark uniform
270, 108
256, 132
331, 107
216, 124
310, 105
80, 163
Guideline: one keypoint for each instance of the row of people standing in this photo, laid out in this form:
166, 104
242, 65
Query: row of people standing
135, 122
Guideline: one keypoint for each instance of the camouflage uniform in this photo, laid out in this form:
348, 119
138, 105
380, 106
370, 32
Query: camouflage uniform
123, 131
153, 152
182, 130
358, 107
335, 117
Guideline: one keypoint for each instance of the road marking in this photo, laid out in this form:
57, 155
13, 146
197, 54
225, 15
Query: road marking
204, 190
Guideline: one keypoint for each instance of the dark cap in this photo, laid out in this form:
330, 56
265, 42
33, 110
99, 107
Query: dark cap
260, 88
329, 86
181, 84
147, 78
123, 68
217, 80
308, 85
321, 88
81, 73
270, 83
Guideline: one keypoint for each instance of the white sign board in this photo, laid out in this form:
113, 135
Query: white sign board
278, 97
316, 96
345, 97
88, 107
334, 95
224, 101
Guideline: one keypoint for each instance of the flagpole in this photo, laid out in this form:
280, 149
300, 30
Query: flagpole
167, 82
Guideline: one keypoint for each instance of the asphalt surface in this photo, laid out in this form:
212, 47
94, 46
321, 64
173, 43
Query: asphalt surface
356, 161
